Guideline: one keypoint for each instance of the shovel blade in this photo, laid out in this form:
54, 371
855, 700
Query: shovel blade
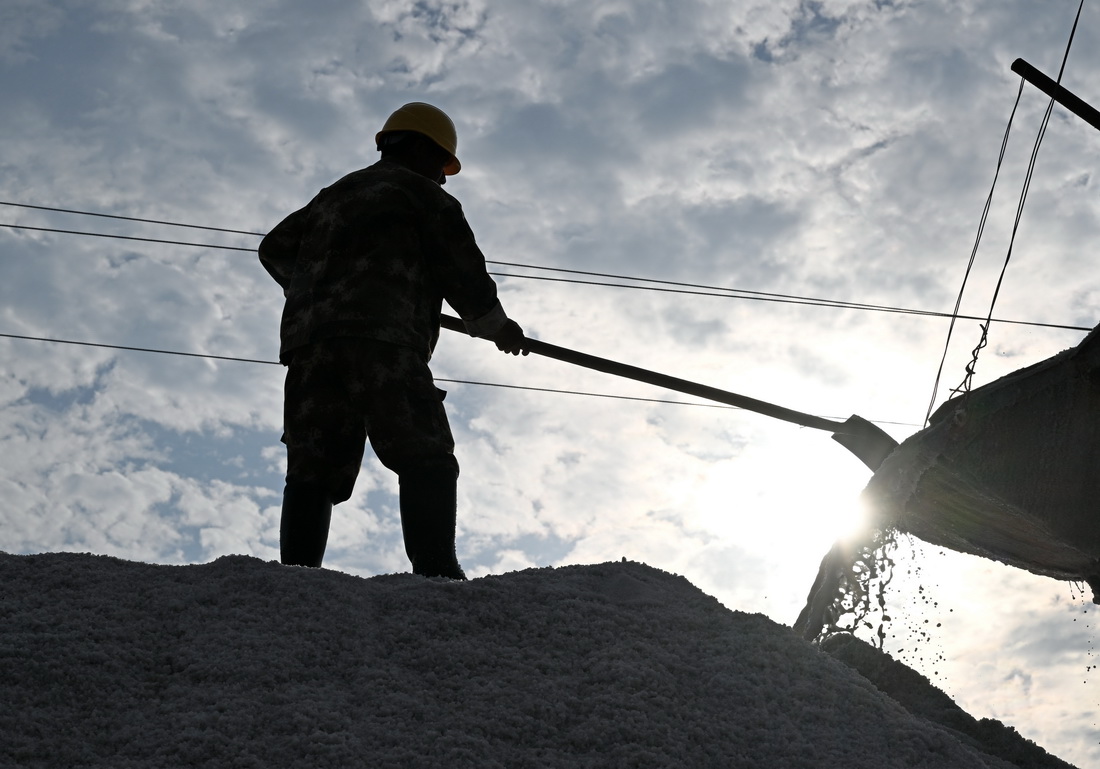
867, 441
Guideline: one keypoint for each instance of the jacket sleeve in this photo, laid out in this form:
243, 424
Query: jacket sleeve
279, 248
462, 274
487, 324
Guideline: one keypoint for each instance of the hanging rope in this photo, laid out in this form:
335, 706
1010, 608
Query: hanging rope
973, 252
964, 386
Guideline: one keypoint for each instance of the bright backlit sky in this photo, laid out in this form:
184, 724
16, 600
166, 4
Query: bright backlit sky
838, 149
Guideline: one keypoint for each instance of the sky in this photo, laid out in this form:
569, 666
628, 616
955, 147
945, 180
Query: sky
838, 150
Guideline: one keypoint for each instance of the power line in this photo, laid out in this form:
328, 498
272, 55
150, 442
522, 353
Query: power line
721, 291
589, 394
235, 359
749, 293
129, 218
138, 349
614, 276
125, 237
809, 301
644, 400
714, 291
718, 291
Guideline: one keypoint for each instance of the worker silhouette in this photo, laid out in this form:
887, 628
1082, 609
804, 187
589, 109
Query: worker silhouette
364, 268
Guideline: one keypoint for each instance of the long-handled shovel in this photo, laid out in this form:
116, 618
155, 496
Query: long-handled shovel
864, 439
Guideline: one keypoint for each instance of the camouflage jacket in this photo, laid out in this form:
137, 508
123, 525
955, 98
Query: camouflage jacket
374, 255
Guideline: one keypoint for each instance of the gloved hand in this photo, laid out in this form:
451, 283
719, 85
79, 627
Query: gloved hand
510, 338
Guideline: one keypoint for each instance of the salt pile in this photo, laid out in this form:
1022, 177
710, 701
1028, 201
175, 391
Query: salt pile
242, 663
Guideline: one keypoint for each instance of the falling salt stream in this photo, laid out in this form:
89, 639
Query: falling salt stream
867, 569
859, 573
1078, 595
859, 601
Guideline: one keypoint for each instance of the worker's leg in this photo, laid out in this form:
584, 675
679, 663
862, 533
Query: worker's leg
429, 518
324, 434
409, 432
303, 527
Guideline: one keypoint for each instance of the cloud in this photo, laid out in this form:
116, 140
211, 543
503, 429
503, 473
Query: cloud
22, 24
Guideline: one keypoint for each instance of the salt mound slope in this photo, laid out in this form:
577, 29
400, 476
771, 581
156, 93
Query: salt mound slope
241, 663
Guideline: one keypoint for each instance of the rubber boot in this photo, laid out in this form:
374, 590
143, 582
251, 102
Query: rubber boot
428, 519
303, 530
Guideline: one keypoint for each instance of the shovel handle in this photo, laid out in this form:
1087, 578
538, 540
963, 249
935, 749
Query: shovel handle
663, 380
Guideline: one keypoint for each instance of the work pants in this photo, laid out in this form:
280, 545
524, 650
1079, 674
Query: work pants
342, 392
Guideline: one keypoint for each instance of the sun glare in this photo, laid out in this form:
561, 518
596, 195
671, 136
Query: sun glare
807, 500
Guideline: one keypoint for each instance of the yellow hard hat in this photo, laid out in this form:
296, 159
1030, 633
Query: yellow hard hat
430, 121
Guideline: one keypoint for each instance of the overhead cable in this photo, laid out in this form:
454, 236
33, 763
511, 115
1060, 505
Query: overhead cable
129, 218
138, 349
721, 291
438, 379
809, 301
276, 363
125, 237
714, 291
